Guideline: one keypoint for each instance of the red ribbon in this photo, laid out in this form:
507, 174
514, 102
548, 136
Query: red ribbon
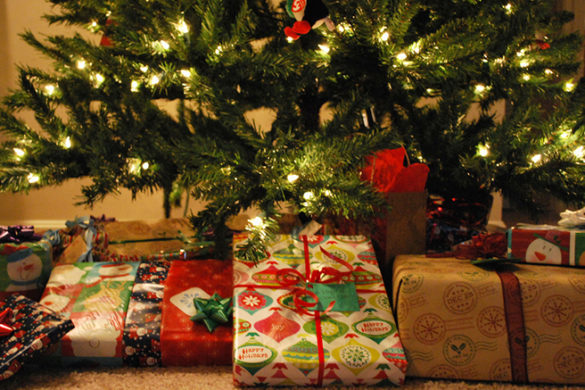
5, 316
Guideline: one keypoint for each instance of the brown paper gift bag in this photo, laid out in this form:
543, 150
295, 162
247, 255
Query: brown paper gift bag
403, 229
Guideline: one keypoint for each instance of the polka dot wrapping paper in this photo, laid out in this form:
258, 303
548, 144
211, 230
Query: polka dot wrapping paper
35, 328
185, 342
512, 322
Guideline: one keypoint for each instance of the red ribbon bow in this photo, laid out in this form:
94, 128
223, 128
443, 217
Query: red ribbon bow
5, 316
289, 277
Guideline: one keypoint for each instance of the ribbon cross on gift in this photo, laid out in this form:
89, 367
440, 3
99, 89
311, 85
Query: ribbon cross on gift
213, 311
5, 316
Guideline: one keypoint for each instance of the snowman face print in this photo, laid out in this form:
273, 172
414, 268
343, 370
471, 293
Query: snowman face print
544, 252
26, 268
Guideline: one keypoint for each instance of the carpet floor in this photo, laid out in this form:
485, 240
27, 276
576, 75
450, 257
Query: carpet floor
197, 378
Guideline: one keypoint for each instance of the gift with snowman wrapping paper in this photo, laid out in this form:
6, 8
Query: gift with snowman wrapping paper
25, 268
95, 297
547, 244
314, 312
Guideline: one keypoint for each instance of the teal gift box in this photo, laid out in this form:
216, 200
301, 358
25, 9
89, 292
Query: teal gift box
25, 268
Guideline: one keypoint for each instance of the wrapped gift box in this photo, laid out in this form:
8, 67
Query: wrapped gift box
185, 342
34, 329
547, 245
105, 240
95, 297
520, 323
25, 268
279, 342
144, 317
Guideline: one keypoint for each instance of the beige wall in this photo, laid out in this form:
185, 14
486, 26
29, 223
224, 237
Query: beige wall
53, 205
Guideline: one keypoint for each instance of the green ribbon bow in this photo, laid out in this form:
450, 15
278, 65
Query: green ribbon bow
213, 311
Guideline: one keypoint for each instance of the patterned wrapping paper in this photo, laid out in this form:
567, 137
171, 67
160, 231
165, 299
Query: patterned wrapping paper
35, 328
25, 268
95, 297
547, 245
183, 341
456, 321
144, 317
275, 344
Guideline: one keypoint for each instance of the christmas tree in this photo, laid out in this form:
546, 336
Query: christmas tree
340, 81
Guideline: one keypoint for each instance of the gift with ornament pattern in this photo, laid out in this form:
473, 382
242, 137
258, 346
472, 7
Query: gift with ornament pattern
95, 297
314, 312
184, 341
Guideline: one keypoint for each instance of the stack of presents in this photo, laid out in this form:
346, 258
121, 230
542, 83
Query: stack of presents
317, 310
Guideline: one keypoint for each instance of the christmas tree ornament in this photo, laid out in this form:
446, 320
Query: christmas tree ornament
309, 14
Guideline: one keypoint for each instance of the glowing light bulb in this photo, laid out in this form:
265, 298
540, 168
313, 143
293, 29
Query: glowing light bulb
308, 195
521, 53
536, 158
385, 36
218, 50
324, 48
134, 86
524, 63
508, 8
186, 73
81, 64
401, 56
526, 77
182, 27
327, 193
290, 39
483, 150
479, 88
292, 177
343, 27
144, 68
566, 134
145, 165
569, 86
548, 72
154, 80
49, 89
256, 222
98, 79
33, 178
67, 143
579, 152
19, 152
164, 44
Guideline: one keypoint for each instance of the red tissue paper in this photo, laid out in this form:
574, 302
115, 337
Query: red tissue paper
387, 172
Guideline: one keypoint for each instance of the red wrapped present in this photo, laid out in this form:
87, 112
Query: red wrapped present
185, 342
542, 244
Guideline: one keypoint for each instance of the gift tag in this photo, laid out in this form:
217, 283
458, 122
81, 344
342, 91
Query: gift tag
344, 295
184, 300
